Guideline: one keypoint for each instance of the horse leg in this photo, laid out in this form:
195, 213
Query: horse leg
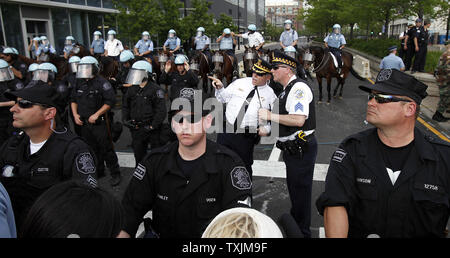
329, 89
342, 87
337, 87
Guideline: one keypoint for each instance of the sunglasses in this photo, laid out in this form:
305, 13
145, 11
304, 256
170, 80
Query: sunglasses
191, 119
28, 104
278, 67
381, 99
259, 74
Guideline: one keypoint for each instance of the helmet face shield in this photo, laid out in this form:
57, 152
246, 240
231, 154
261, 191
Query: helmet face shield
171, 35
291, 54
96, 37
68, 42
73, 67
85, 71
287, 26
43, 75
136, 77
6, 74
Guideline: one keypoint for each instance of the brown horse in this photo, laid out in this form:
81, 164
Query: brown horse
58, 61
223, 65
200, 66
79, 50
324, 68
249, 59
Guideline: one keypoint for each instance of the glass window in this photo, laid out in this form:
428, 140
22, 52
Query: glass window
61, 1
81, 2
108, 4
13, 28
79, 27
95, 23
95, 3
61, 28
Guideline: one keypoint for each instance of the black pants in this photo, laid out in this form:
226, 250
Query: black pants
96, 136
140, 140
242, 144
299, 182
419, 61
338, 54
402, 52
410, 53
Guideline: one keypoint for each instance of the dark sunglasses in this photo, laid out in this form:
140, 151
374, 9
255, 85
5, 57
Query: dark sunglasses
259, 74
28, 104
381, 99
192, 118
278, 67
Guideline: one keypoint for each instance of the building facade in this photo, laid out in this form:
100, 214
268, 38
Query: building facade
22, 20
279, 11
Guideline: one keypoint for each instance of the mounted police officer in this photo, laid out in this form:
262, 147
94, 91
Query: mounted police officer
255, 39
335, 42
144, 47
33, 46
19, 68
44, 49
188, 182
8, 82
91, 100
296, 120
289, 37
392, 61
98, 45
68, 46
202, 43
173, 43
44, 154
227, 42
143, 109
244, 97
390, 181
113, 46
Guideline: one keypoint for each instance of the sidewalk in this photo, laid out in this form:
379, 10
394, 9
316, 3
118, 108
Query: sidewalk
429, 104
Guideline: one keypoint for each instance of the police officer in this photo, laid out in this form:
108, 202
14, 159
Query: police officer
98, 45
290, 51
33, 46
392, 61
412, 43
44, 49
113, 46
227, 42
127, 60
442, 73
68, 46
188, 182
144, 47
143, 109
421, 55
92, 98
19, 68
255, 39
31, 69
70, 82
244, 97
390, 181
402, 37
8, 82
296, 119
335, 42
182, 78
44, 154
202, 43
173, 43
289, 37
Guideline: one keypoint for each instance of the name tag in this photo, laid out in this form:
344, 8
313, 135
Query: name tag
431, 187
210, 200
162, 197
364, 180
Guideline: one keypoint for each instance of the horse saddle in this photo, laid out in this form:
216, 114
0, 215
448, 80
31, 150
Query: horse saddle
335, 62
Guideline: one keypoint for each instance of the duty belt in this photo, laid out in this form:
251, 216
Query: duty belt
297, 146
99, 121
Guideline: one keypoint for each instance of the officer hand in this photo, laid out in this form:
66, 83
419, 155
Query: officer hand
186, 66
417, 49
92, 119
262, 132
216, 83
168, 66
78, 119
405, 47
264, 115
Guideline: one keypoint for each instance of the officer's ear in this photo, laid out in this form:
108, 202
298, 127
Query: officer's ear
49, 113
410, 108
207, 122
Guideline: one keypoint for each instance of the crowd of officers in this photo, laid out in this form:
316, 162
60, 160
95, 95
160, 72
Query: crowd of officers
389, 181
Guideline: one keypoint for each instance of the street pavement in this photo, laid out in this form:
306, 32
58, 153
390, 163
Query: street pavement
335, 122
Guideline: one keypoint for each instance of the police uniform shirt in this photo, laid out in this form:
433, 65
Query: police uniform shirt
183, 208
69, 48
201, 42
21, 67
144, 46
46, 49
64, 156
235, 96
113, 47
415, 204
226, 43
255, 39
145, 104
98, 46
335, 40
392, 62
288, 37
178, 81
91, 95
173, 43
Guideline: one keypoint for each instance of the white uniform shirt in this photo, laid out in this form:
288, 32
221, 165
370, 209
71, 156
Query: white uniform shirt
113, 47
235, 95
254, 39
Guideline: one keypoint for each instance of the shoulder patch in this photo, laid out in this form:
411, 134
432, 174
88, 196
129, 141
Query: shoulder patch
139, 172
160, 94
107, 86
339, 155
240, 178
299, 94
85, 163
92, 181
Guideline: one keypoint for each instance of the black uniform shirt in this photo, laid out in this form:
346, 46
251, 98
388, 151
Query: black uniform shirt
417, 205
183, 208
22, 68
13, 85
62, 157
178, 81
145, 104
412, 33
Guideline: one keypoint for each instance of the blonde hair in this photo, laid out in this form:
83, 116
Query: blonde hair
235, 225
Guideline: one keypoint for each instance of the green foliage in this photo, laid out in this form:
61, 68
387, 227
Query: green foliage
432, 61
374, 47
271, 31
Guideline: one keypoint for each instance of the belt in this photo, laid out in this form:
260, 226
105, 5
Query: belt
99, 121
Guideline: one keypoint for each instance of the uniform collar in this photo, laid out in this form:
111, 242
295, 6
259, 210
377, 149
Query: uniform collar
292, 79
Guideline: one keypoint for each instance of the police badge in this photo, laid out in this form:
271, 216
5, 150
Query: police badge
85, 163
240, 178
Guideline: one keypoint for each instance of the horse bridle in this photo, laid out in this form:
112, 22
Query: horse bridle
320, 67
